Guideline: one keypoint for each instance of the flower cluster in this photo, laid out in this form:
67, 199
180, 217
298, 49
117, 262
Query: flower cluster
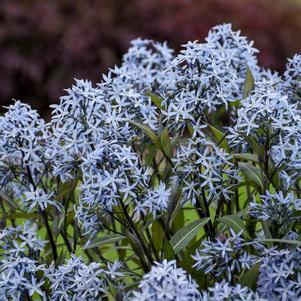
185, 168
270, 116
266, 109
205, 76
292, 80
21, 239
23, 277
223, 257
166, 282
223, 291
202, 167
23, 146
280, 274
145, 63
76, 281
19, 268
277, 210
113, 174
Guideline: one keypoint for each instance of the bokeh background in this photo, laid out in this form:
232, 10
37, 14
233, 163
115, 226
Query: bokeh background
45, 44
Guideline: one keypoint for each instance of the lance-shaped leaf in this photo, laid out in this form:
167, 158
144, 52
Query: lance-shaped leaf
182, 238
166, 143
235, 223
168, 250
252, 173
249, 83
249, 278
105, 240
174, 204
157, 234
280, 241
220, 137
156, 100
148, 132
246, 157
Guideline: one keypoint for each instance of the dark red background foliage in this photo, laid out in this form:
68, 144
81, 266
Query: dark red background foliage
45, 44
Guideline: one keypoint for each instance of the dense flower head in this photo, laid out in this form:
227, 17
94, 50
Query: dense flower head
76, 281
223, 257
23, 142
264, 109
39, 198
270, 78
155, 165
268, 116
208, 75
145, 64
224, 291
280, 274
19, 278
19, 266
278, 210
154, 201
113, 174
166, 282
239, 52
202, 167
127, 102
77, 124
21, 239
287, 152
292, 77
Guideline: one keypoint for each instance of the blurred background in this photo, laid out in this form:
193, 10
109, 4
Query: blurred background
45, 44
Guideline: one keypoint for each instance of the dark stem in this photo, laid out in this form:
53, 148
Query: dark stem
49, 233
135, 232
207, 212
45, 218
202, 215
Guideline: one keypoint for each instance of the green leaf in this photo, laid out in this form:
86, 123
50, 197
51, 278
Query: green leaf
274, 173
252, 173
157, 235
174, 203
23, 215
105, 240
174, 141
148, 132
110, 296
235, 103
61, 258
266, 231
246, 156
8, 201
189, 128
61, 220
179, 220
182, 238
135, 244
220, 137
249, 83
236, 223
168, 250
149, 154
67, 187
149, 220
249, 278
253, 143
165, 143
156, 100
282, 241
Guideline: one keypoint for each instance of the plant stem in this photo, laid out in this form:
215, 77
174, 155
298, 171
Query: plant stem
45, 218
135, 232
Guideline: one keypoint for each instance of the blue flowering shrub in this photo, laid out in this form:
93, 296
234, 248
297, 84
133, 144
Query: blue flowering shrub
176, 177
